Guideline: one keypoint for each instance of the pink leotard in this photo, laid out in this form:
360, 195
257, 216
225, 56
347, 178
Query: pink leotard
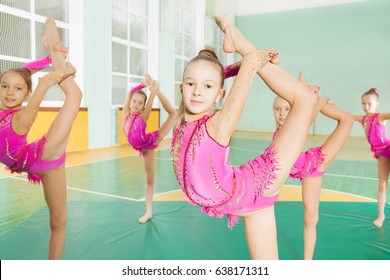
207, 179
134, 128
377, 136
18, 155
307, 164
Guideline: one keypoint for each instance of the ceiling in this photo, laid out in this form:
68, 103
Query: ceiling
248, 7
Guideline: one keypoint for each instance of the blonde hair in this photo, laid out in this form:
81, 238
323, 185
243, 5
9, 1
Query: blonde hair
372, 91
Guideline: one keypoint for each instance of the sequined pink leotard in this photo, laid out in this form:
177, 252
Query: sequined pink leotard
377, 136
307, 164
207, 179
134, 128
18, 155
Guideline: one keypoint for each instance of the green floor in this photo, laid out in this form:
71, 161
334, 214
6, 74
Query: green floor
104, 205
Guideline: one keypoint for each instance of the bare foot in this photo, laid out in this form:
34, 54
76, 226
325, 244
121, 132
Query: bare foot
52, 39
145, 218
379, 222
261, 57
233, 40
315, 89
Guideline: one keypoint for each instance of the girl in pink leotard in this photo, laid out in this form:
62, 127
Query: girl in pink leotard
200, 144
312, 164
44, 158
374, 125
135, 116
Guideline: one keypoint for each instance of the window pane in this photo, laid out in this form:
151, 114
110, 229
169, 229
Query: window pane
119, 90
16, 37
138, 61
178, 14
119, 23
120, 3
189, 43
189, 22
7, 64
178, 70
20, 4
177, 95
136, 81
178, 43
138, 30
57, 9
119, 58
139, 7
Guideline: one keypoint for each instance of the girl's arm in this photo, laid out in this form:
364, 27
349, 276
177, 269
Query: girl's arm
154, 88
24, 119
357, 118
224, 123
126, 105
382, 117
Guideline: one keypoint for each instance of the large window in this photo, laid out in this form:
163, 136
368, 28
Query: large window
21, 31
129, 46
178, 18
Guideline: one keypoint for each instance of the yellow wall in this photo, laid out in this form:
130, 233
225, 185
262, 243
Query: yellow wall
78, 140
152, 124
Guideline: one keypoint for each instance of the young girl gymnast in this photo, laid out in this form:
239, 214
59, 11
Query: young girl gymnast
312, 164
43, 160
201, 140
374, 125
135, 116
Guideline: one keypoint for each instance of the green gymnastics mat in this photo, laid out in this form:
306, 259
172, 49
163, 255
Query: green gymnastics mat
109, 230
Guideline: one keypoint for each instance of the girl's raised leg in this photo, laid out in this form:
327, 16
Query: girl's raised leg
58, 134
336, 141
172, 116
291, 137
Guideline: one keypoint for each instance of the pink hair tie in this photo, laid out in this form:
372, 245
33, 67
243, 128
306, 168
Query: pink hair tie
137, 88
232, 69
36, 65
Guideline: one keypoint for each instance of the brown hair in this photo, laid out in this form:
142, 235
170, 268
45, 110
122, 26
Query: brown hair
372, 91
24, 73
141, 93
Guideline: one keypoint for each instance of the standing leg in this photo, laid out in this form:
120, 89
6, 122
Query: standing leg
54, 188
260, 230
149, 187
383, 176
311, 192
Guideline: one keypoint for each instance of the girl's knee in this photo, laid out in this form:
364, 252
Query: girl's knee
311, 219
347, 118
58, 223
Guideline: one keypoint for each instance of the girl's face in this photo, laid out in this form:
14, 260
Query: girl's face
201, 88
370, 104
281, 109
137, 103
14, 90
